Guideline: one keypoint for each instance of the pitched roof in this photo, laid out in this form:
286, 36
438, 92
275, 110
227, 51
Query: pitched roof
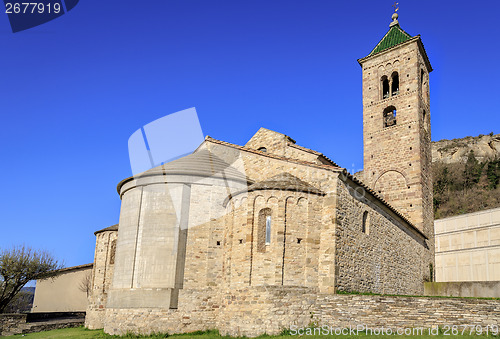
74, 268
331, 167
330, 164
395, 36
110, 228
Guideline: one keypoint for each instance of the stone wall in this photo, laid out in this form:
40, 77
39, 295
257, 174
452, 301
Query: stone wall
384, 257
281, 144
291, 256
9, 323
104, 262
254, 311
196, 312
269, 142
407, 312
475, 289
265, 309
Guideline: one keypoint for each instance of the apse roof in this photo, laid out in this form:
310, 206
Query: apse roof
110, 228
200, 163
203, 163
284, 182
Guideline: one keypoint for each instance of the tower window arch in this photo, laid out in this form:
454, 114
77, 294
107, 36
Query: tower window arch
395, 83
264, 225
385, 87
390, 118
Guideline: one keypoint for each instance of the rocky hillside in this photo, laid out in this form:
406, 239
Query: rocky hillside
466, 175
485, 147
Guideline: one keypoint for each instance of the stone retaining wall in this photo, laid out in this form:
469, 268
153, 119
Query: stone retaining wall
273, 309
270, 309
474, 289
10, 322
407, 312
265, 309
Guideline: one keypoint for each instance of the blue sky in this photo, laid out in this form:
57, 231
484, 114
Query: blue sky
74, 90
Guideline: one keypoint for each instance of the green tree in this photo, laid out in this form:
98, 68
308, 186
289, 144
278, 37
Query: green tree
493, 174
20, 265
472, 172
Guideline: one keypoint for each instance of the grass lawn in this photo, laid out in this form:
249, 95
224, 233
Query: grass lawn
81, 332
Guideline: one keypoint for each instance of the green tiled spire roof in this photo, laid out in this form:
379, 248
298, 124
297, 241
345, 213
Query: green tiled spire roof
394, 37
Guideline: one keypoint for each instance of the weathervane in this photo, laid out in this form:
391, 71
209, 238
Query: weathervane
395, 6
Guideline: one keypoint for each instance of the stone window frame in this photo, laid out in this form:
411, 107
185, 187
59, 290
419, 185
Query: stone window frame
384, 82
263, 232
394, 81
112, 252
387, 84
387, 122
365, 223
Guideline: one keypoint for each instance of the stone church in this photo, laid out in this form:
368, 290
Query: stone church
250, 239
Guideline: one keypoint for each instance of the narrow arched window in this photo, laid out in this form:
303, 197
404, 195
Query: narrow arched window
385, 87
264, 224
395, 84
366, 223
268, 230
112, 252
424, 118
390, 116
262, 149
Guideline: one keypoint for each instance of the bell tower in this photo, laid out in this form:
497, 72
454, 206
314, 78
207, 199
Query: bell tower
396, 125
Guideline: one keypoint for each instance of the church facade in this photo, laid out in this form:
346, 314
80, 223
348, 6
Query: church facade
251, 239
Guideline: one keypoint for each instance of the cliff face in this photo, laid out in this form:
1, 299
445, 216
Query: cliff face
452, 151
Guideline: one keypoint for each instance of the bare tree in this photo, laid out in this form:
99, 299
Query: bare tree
20, 265
86, 284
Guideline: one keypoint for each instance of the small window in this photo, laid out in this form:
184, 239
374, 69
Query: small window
264, 229
395, 84
390, 116
366, 222
268, 230
262, 149
112, 252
